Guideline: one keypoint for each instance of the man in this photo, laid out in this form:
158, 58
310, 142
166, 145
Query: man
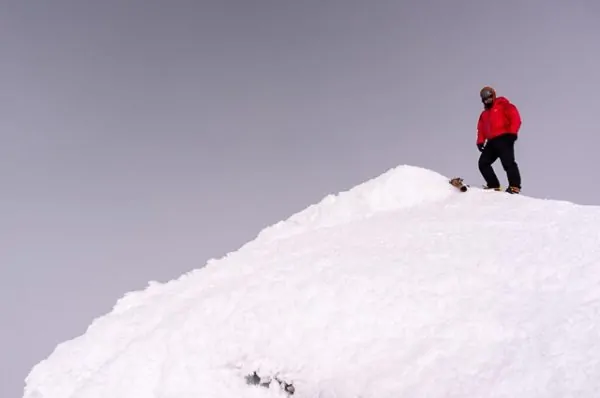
497, 131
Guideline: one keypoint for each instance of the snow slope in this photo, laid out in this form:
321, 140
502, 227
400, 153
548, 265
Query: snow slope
400, 287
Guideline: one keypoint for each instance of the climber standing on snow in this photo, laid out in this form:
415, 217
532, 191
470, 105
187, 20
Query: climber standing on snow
497, 131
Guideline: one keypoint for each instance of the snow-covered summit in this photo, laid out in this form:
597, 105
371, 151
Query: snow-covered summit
399, 287
402, 187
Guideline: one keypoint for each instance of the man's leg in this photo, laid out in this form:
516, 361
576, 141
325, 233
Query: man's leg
506, 152
486, 159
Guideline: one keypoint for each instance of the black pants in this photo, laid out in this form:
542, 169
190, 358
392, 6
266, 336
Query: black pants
502, 147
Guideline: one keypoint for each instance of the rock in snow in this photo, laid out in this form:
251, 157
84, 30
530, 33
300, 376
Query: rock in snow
399, 287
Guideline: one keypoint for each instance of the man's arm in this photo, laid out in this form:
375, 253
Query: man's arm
480, 137
514, 118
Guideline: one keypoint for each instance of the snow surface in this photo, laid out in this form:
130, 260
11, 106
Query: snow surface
400, 287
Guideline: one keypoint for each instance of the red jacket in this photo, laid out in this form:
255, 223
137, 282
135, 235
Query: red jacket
502, 117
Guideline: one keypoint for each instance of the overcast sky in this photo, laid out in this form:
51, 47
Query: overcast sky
140, 138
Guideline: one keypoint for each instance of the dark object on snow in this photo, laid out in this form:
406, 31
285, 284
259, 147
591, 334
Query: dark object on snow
255, 379
458, 182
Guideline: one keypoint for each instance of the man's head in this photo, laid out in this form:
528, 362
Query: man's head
488, 96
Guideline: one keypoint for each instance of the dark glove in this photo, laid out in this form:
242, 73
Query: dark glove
480, 147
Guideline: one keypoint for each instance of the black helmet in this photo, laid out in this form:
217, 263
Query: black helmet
488, 95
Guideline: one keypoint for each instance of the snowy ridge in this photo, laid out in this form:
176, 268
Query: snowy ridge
399, 287
399, 188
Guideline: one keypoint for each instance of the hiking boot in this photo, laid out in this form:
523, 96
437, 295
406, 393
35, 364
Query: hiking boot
513, 190
495, 188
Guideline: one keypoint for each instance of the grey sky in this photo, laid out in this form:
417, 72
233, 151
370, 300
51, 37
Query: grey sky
140, 138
